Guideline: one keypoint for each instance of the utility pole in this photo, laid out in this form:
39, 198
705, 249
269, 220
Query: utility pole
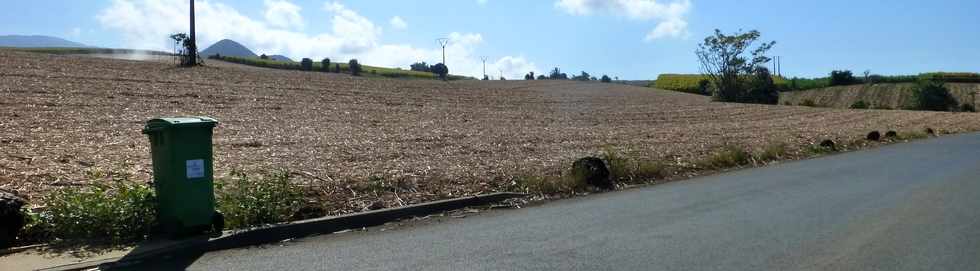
443, 42
193, 53
484, 65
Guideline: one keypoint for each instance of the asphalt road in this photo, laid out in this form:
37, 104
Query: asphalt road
912, 206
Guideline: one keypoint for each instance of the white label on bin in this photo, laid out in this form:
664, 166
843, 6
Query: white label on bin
195, 169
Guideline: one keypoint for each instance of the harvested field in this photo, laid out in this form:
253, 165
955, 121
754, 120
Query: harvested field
417, 140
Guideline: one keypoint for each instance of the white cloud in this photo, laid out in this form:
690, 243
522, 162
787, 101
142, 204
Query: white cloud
513, 67
283, 14
147, 25
670, 17
398, 23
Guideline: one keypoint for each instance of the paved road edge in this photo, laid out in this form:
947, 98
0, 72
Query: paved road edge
296, 229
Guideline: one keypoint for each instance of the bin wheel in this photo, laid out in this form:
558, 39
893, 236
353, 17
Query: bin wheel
217, 222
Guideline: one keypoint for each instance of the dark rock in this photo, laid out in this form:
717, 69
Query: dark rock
874, 136
891, 134
930, 131
592, 171
828, 144
11, 218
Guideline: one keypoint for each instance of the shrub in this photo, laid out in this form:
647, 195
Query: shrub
727, 157
306, 64
440, 69
761, 89
842, 78
605, 79
117, 211
808, 102
704, 87
859, 105
355, 68
773, 152
967, 107
325, 65
263, 56
420, 67
933, 95
252, 201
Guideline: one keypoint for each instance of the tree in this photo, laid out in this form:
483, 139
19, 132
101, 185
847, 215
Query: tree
325, 65
605, 79
502, 78
486, 78
593, 78
542, 77
932, 94
186, 46
556, 74
440, 69
582, 77
354, 67
761, 89
704, 86
421, 67
529, 76
842, 78
306, 64
263, 56
724, 61
336, 68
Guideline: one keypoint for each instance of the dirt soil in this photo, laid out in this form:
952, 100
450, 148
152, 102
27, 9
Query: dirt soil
360, 143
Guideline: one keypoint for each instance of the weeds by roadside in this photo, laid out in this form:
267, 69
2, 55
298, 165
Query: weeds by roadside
727, 157
254, 200
625, 169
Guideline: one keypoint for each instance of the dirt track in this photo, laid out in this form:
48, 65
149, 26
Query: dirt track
63, 116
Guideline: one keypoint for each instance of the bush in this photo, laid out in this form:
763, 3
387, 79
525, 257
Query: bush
931, 94
306, 64
325, 65
773, 152
605, 79
252, 201
355, 68
118, 211
859, 105
704, 87
968, 108
808, 102
842, 78
441, 70
728, 157
761, 89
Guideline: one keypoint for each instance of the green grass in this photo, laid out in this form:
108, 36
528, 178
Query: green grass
366, 70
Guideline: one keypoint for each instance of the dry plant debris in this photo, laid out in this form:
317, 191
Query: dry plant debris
361, 143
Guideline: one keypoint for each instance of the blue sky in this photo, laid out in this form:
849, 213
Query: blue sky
601, 37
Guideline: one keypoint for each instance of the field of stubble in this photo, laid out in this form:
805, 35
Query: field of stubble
62, 117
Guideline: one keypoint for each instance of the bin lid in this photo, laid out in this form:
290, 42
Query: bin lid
160, 124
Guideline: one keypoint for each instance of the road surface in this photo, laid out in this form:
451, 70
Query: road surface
913, 206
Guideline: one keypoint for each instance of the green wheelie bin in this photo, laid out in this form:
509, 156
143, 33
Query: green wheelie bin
183, 174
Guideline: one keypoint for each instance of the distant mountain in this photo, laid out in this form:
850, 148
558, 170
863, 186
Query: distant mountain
37, 41
228, 47
280, 58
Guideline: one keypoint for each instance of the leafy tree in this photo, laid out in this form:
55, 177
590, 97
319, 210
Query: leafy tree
325, 65
263, 56
842, 78
582, 77
529, 76
605, 79
724, 61
542, 77
306, 64
556, 74
502, 78
593, 78
355, 67
421, 67
440, 69
761, 89
704, 86
932, 94
486, 78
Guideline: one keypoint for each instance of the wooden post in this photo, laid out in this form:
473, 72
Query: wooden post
193, 50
